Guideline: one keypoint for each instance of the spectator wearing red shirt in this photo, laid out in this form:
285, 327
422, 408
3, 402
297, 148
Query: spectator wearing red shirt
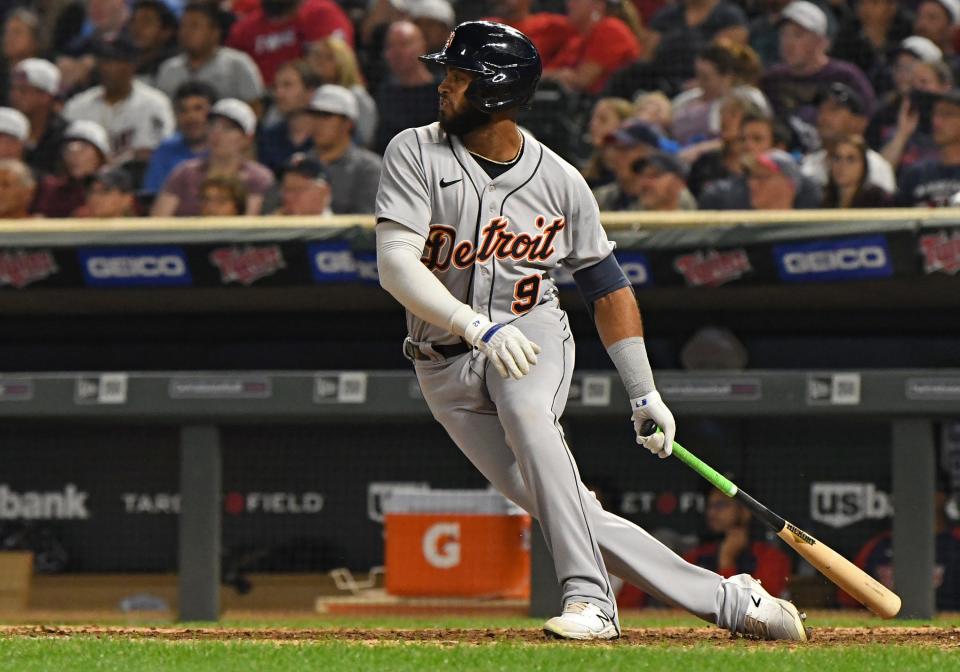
280, 30
549, 32
603, 45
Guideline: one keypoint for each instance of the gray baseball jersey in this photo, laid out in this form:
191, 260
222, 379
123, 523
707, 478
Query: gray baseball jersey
491, 242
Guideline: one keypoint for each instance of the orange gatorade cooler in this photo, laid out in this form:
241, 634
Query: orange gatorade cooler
456, 543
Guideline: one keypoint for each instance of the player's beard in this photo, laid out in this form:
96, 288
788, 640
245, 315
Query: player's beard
463, 122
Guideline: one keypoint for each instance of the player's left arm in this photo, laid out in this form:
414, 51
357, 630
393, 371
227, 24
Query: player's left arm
606, 289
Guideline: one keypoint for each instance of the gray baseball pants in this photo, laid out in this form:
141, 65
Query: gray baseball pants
510, 430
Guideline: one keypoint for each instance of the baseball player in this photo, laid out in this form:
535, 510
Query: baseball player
473, 215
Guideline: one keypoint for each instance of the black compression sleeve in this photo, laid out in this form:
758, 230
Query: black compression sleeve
604, 277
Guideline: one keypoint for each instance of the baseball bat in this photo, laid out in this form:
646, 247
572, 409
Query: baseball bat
857, 583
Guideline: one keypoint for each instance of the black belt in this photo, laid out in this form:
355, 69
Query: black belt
445, 351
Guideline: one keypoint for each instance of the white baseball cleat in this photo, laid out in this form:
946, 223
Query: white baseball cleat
770, 617
581, 620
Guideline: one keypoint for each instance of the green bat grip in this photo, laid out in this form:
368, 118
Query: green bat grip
718, 480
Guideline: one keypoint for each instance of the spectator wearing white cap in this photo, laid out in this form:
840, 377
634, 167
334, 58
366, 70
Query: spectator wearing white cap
14, 133
919, 72
353, 172
33, 90
410, 90
794, 85
868, 35
17, 186
232, 127
84, 151
231, 72
936, 21
136, 116
335, 62
436, 20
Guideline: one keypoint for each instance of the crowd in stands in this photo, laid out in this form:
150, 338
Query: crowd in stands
113, 108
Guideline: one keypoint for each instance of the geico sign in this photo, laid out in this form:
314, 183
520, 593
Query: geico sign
335, 261
144, 266
844, 259
441, 545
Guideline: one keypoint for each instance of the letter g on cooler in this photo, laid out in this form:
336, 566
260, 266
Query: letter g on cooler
441, 545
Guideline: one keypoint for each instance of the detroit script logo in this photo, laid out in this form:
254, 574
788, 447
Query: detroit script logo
442, 250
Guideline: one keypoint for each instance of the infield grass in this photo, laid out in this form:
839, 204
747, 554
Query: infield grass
43, 651
93, 655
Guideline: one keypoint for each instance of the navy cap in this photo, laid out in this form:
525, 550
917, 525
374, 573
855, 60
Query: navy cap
667, 163
306, 165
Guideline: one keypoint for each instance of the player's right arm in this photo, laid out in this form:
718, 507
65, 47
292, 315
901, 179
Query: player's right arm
403, 213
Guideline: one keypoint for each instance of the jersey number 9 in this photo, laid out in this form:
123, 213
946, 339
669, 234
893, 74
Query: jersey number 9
525, 294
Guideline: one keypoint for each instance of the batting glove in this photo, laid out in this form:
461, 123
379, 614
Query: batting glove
504, 345
650, 408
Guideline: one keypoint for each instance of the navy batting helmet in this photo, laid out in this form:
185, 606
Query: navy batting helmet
505, 61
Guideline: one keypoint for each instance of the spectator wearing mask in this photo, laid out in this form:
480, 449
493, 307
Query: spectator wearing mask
191, 106
602, 45
280, 30
681, 30
21, 40
353, 172
110, 195
136, 116
435, 19
293, 89
232, 73
549, 32
14, 133
232, 126
848, 185
794, 85
410, 90
904, 141
17, 187
661, 183
868, 36
841, 114
84, 151
33, 91
76, 60
607, 116
153, 30
222, 196
304, 188
932, 183
334, 61
774, 181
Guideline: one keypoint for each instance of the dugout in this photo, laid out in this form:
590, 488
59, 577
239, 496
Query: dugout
265, 354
